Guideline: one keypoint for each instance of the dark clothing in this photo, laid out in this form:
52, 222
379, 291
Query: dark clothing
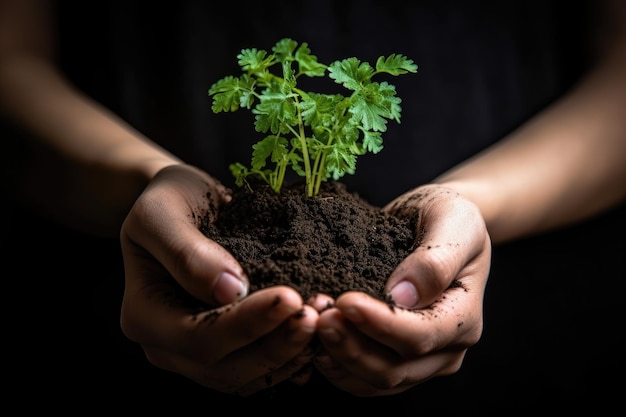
484, 68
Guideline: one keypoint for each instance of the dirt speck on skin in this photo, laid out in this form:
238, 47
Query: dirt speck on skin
332, 243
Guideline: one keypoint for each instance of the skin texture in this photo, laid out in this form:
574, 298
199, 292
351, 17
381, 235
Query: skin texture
513, 189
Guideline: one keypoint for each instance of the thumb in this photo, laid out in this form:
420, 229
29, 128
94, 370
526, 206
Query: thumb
162, 231
206, 270
453, 243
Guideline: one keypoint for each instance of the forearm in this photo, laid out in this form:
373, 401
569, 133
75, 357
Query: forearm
566, 164
88, 165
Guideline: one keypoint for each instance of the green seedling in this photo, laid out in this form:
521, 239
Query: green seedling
318, 136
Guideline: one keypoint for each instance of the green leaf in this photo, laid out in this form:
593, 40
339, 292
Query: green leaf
395, 64
307, 63
351, 73
254, 60
387, 98
239, 171
339, 163
230, 92
284, 49
275, 113
272, 147
319, 110
372, 141
369, 115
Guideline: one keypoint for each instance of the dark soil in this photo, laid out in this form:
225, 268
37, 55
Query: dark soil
331, 243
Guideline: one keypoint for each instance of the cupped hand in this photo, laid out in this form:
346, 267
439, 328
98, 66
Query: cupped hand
185, 298
372, 349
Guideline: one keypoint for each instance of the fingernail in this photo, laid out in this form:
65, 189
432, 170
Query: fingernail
404, 294
229, 288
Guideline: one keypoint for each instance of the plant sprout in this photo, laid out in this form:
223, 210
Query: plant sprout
318, 136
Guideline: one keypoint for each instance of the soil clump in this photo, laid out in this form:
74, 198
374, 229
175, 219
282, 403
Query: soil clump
331, 243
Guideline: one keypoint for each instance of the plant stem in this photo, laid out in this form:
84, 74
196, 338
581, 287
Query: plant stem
305, 152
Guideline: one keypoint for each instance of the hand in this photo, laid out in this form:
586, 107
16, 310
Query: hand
184, 294
371, 349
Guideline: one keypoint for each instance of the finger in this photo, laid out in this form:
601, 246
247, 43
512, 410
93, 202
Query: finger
282, 355
354, 358
454, 320
348, 346
300, 366
399, 379
202, 267
321, 302
159, 316
277, 347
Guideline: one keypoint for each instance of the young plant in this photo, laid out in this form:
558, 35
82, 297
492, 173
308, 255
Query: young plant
317, 135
